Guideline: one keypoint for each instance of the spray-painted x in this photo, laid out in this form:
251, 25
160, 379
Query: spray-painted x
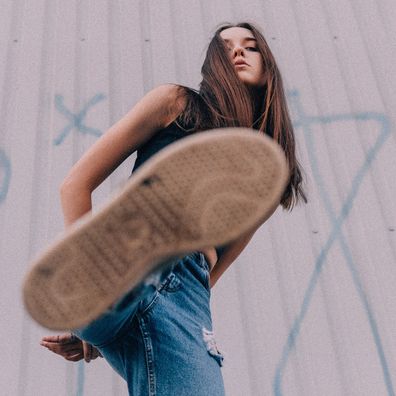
76, 120
336, 233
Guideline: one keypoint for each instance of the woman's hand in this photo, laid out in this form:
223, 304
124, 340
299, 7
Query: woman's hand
70, 347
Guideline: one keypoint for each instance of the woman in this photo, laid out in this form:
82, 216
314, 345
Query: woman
160, 352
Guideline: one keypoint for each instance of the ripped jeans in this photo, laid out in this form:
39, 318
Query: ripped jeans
159, 337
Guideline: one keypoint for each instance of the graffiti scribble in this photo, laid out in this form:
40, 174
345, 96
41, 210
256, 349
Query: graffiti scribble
76, 120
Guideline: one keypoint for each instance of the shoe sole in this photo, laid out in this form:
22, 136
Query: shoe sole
204, 190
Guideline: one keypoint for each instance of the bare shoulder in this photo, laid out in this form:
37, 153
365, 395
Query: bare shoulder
167, 101
171, 92
154, 111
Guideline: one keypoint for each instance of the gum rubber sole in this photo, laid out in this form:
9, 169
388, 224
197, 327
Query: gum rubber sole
204, 190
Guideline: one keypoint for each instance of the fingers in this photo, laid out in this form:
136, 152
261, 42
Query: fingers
63, 349
95, 353
58, 346
75, 358
87, 348
66, 345
70, 347
73, 354
90, 352
61, 338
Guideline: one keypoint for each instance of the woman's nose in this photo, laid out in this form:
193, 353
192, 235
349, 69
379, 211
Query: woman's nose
238, 51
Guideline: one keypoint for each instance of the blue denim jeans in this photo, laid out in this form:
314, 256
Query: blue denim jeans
159, 337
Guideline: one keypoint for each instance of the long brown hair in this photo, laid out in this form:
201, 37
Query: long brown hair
224, 101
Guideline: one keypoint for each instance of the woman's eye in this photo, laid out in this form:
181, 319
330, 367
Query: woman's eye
251, 48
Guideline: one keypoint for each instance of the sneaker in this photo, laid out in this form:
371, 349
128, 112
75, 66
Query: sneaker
202, 191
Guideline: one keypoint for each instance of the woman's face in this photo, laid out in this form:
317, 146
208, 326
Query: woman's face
245, 56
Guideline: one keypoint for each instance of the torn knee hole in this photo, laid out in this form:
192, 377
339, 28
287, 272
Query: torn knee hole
211, 346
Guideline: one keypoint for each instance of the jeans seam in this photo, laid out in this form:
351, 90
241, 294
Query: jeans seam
148, 349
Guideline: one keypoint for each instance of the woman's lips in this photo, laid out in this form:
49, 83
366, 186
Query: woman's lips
240, 62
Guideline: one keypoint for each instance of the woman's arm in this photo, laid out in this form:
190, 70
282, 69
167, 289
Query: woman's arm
234, 249
231, 252
156, 110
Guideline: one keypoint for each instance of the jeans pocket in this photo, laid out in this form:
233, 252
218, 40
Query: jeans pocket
170, 284
148, 303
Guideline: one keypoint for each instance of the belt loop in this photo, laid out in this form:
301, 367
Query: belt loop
205, 263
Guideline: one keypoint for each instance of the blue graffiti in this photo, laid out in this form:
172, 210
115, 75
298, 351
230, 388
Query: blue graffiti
76, 120
80, 378
5, 175
305, 122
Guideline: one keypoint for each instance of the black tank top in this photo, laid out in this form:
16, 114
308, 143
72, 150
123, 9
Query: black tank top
161, 139
158, 141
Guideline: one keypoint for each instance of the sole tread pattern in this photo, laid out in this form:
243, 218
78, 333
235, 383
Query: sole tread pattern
200, 192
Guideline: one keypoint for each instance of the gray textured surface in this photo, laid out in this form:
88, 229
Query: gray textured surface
309, 307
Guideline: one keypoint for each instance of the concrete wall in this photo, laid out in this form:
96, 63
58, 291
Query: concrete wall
309, 307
